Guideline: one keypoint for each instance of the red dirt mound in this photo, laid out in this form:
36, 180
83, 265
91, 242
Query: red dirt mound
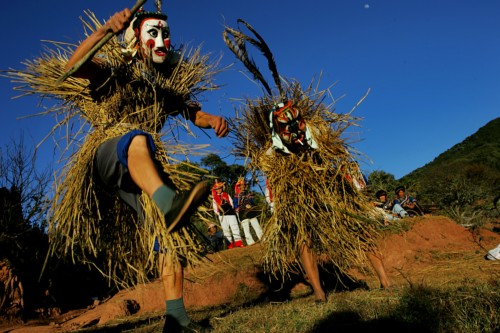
437, 245
434, 250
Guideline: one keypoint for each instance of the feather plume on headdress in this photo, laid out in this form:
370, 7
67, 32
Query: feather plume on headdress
238, 47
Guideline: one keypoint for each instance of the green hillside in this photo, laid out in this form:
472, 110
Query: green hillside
481, 148
466, 175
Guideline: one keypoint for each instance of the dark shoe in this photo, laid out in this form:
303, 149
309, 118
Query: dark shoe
185, 203
195, 328
173, 326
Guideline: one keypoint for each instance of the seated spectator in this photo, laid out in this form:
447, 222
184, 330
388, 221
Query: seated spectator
247, 211
392, 211
409, 203
216, 237
356, 175
493, 254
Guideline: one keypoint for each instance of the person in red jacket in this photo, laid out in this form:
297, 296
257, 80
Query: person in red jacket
247, 211
223, 207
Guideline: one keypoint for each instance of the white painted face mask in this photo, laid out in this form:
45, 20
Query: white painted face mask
155, 39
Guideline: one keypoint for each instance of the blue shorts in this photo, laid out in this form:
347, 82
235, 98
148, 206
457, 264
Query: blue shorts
111, 168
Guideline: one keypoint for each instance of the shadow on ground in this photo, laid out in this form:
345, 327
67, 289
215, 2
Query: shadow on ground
350, 322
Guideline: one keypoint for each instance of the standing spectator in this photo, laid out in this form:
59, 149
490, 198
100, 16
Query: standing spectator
224, 208
269, 197
247, 211
407, 202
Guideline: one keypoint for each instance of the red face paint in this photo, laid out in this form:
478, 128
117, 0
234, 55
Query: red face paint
150, 43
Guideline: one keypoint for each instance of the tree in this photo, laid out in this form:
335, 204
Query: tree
223, 171
381, 180
23, 189
21, 177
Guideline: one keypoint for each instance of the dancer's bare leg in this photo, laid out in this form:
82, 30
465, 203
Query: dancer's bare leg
310, 265
172, 276
379, 267
141, 166
146, 175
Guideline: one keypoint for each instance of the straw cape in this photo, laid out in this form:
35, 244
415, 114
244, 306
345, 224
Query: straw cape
314, 200
86, 223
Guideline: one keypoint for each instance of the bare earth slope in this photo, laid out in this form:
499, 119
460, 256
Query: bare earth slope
435, 251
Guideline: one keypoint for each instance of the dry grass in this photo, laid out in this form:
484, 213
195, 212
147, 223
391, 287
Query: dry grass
467, 307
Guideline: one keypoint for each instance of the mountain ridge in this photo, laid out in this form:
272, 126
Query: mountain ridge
481, 147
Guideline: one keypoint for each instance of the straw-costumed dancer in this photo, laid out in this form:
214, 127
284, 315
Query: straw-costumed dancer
295, 140
222, 204
120, 191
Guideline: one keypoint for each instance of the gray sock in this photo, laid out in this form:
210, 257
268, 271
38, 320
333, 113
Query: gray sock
163, 198
176, 309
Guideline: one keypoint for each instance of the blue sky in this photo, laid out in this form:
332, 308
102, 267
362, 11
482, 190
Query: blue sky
433, 67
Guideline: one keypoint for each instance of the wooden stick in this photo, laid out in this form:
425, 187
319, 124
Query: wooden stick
96, 47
